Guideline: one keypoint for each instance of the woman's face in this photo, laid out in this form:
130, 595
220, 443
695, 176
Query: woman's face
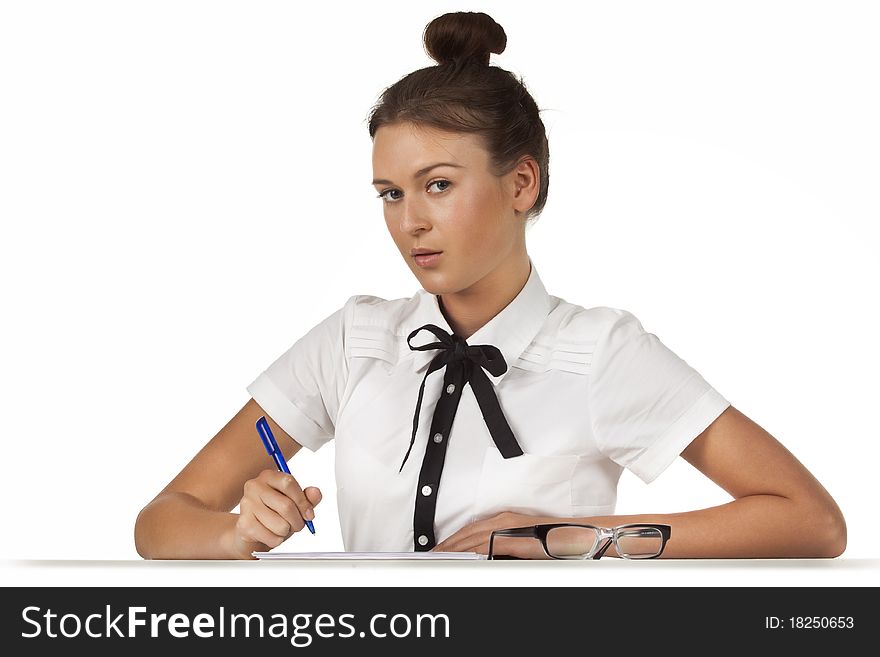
459, 209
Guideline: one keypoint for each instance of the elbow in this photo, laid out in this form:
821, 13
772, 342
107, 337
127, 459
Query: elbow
835, 544
141, 534
829, 529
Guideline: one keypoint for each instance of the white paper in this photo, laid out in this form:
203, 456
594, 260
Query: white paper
369, 555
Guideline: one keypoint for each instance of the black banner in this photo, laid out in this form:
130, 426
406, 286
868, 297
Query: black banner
401, 620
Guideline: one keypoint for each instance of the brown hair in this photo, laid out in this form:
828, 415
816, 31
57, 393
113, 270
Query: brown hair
463, 93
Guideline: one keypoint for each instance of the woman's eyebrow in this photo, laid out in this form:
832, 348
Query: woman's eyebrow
421, 172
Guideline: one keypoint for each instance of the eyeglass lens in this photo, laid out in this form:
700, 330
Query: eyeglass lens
639, 542
571, 542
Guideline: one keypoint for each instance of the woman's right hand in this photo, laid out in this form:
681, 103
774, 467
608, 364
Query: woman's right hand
273, 507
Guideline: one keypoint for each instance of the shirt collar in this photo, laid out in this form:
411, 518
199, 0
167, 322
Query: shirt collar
511, 330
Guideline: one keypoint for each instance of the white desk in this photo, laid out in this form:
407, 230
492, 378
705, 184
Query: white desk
605, 572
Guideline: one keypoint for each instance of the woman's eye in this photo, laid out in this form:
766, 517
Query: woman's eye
388, 199
383, 196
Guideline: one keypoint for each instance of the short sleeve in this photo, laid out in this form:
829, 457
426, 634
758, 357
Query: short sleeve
301, 390
646, 403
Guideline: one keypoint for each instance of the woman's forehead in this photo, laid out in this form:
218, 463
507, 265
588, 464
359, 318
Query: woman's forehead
401, 150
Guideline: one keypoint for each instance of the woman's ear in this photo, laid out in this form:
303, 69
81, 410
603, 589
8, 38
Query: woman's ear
526, 184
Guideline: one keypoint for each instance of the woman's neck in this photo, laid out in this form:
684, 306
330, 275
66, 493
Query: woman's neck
469, 310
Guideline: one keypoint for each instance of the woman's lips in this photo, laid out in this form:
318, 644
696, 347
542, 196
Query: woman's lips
428, 259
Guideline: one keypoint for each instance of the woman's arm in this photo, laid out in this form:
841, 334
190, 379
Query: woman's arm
190, 518
779, 510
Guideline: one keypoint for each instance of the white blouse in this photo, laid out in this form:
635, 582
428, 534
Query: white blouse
586, 393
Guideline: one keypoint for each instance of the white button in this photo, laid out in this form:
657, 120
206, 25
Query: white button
450, 388
438, 437
423, 540
426, 490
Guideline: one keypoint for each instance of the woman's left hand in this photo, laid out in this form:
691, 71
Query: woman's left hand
475, 537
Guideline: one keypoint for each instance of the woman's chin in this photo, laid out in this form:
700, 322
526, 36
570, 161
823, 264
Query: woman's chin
434, 284
436, 281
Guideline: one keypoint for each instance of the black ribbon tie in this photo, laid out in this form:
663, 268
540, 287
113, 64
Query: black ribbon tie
456, 352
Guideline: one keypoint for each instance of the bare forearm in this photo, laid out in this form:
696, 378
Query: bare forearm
754, 526
179, 526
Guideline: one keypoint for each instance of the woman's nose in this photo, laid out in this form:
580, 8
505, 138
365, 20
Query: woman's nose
413, 218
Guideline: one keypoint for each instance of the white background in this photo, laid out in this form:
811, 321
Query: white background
184, 191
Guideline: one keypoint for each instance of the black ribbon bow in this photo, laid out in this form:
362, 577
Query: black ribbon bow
456, 350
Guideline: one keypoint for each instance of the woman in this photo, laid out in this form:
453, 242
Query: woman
541, 403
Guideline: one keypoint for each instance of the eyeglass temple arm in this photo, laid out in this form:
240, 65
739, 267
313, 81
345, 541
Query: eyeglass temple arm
516, 531
601, 552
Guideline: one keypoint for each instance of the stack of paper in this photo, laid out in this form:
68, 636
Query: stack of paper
369, 555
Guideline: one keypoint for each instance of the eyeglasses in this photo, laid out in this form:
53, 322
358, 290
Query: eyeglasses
575, 541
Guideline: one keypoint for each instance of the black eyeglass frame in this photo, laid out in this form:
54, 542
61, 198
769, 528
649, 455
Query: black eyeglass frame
540, 532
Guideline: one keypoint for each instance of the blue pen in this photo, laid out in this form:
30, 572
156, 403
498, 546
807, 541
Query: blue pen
272, 447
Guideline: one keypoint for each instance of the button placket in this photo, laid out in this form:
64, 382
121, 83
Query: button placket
435, 456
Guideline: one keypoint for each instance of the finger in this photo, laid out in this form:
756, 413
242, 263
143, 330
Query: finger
465, 535
469, 545
458, 542
451, 543
258, 531
290, 487
272, 521
286, 509
313, 493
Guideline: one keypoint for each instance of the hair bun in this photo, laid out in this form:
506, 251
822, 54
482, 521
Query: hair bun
464, 35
